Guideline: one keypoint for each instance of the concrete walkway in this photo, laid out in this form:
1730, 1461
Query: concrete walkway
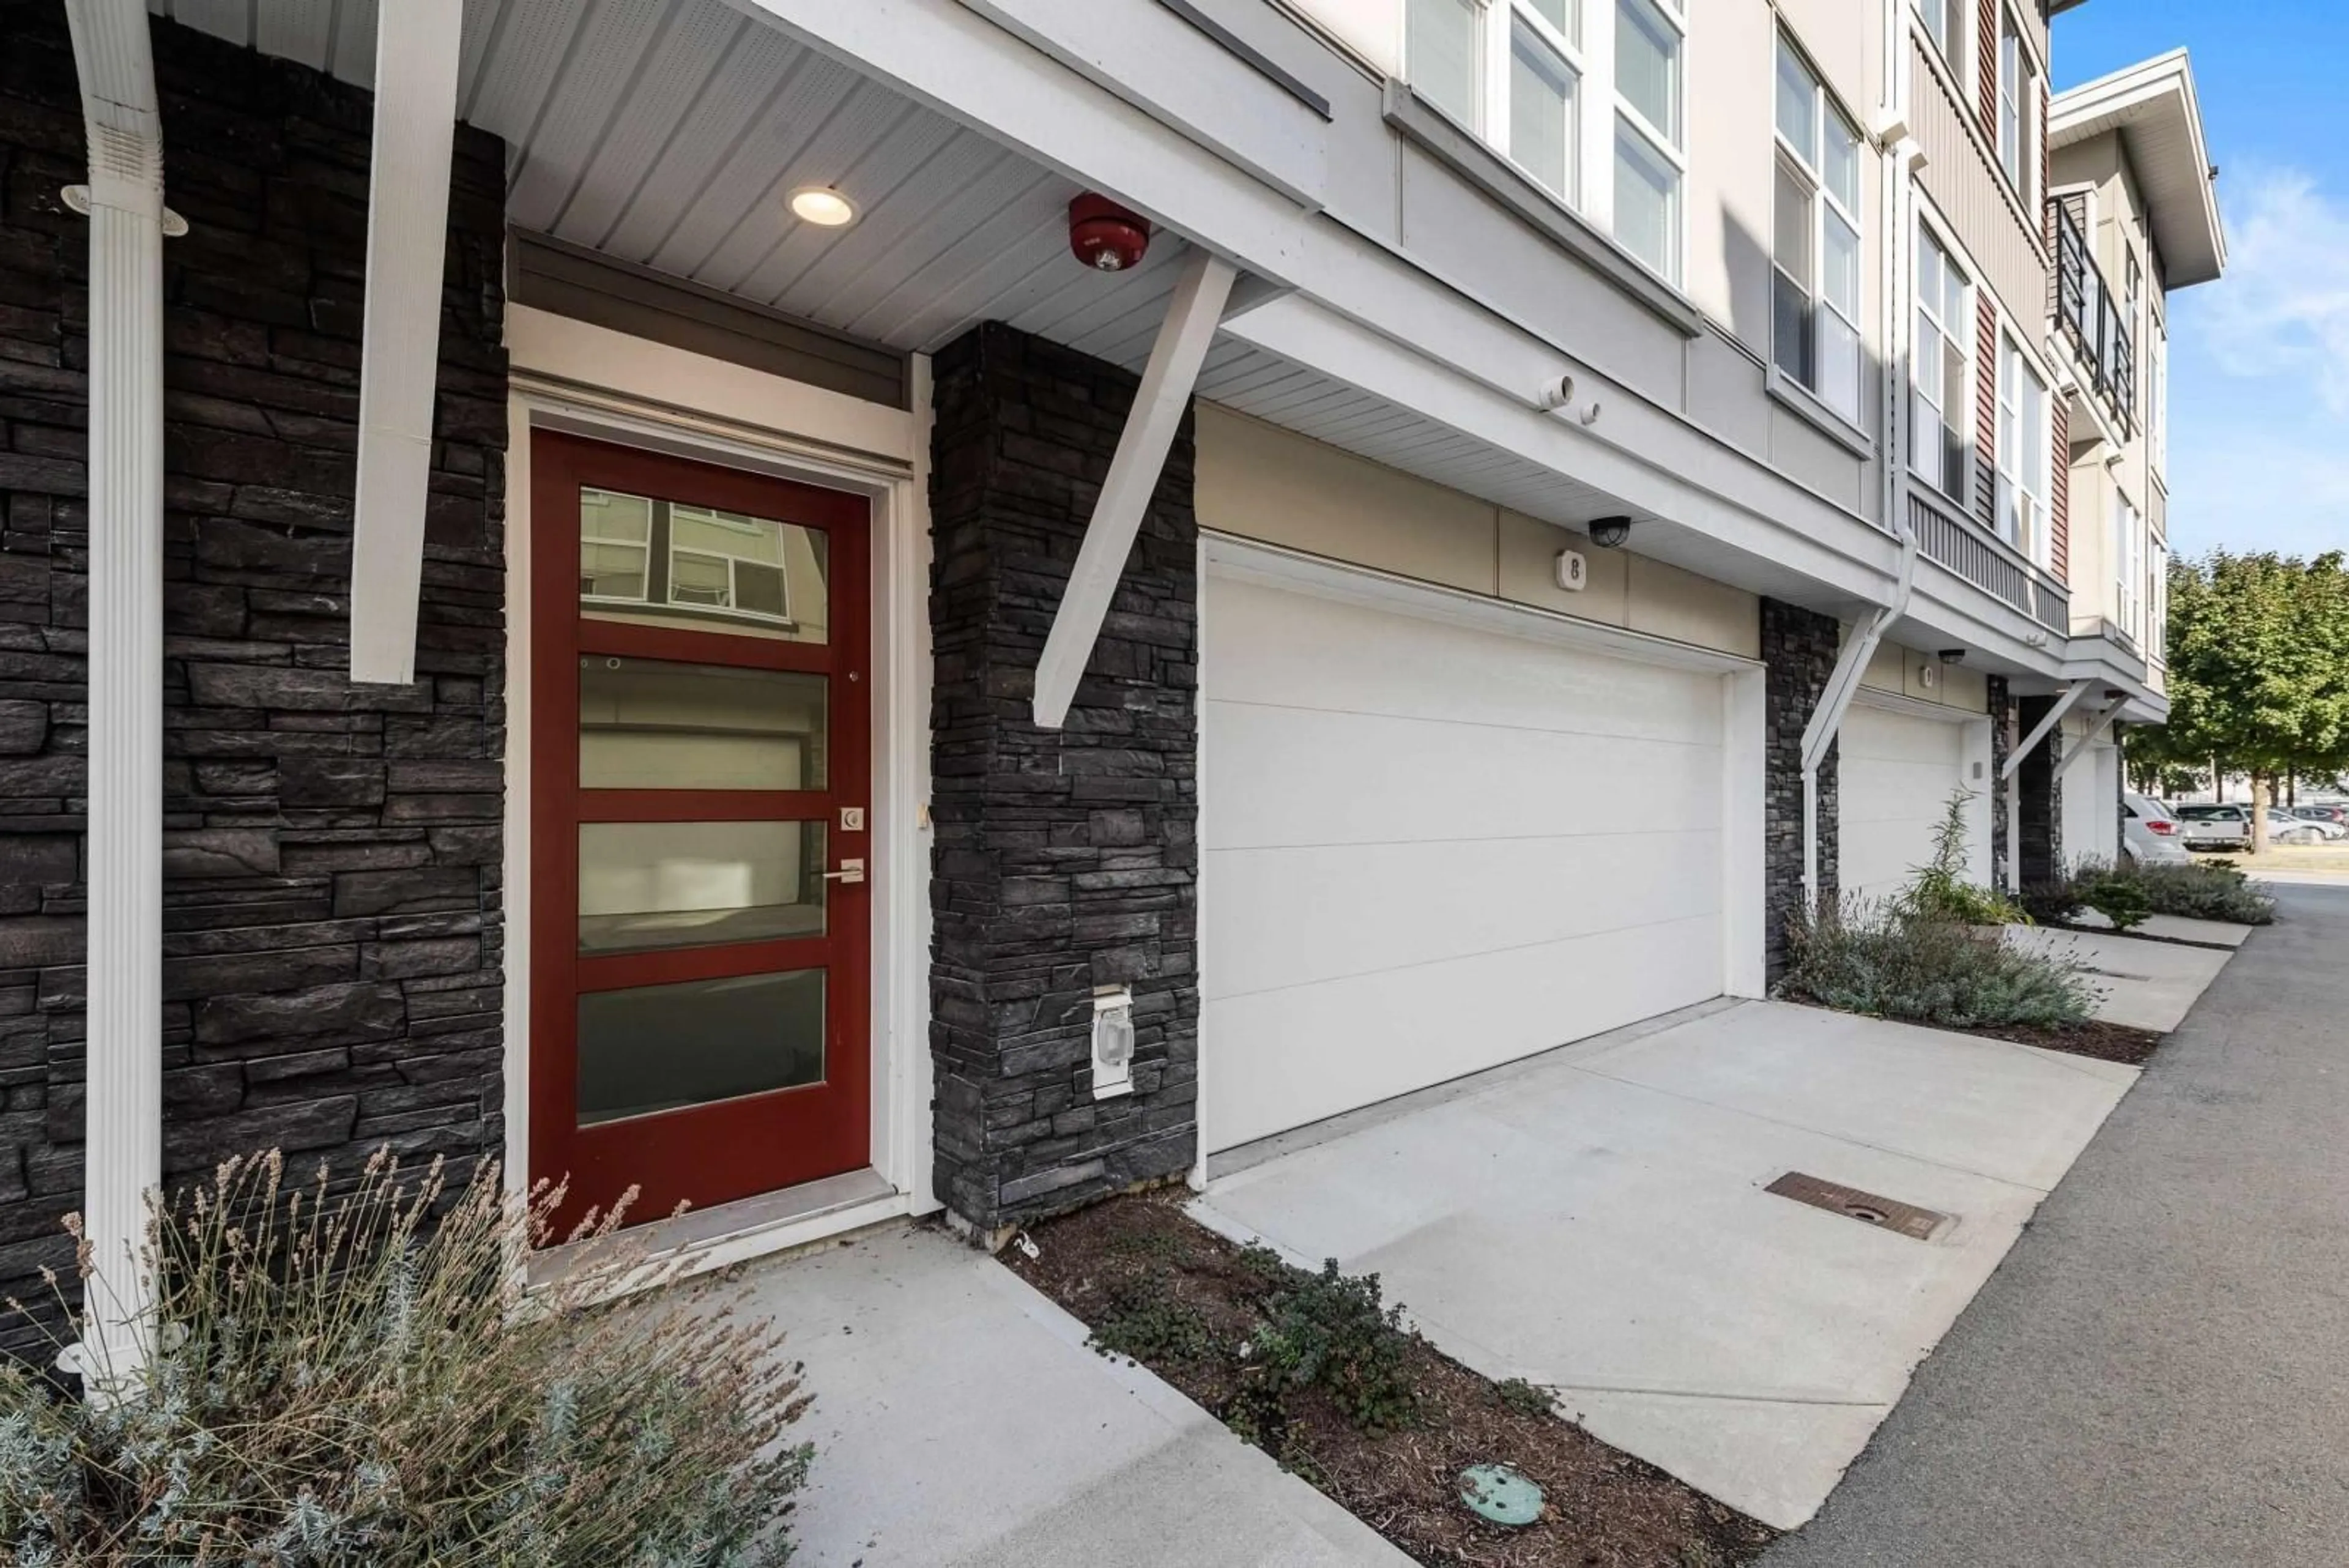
2159, 1377
1595, 1220
959, 1419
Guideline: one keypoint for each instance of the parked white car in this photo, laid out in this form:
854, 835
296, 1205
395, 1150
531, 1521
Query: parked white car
2328, 820
2150, 833
2202, 826
2285, 828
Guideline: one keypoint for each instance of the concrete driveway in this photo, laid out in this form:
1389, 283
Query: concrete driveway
1595, 1220
2142, 984
960, 1419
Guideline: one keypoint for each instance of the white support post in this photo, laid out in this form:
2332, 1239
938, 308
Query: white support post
123, 1118
2046, 726
408, 225
1192, 316
1843, 684
2073, 754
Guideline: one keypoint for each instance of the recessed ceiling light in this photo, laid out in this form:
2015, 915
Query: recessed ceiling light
823, 206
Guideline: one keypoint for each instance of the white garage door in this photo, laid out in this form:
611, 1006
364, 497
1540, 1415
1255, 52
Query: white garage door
1894, 775
1429, 849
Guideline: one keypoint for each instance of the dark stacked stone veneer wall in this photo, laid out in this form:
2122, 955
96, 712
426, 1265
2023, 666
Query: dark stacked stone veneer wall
332, 939
2002, 746
2038, 799
1798, 652
1064, 859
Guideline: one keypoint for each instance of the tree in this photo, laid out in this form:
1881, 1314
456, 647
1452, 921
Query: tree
2259, 672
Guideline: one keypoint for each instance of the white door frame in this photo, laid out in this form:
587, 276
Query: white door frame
1974, 771
1744, 725
570, 377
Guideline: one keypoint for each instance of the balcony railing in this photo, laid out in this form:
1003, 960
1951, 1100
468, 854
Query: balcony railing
1987, 563
2085, 313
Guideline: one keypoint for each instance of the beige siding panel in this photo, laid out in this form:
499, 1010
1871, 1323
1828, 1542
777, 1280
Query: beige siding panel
1668, 602
1884, 667
1262, 483
1896, 668
1372, 28
1971, 195
1529, 548
1728, 182
1257, 481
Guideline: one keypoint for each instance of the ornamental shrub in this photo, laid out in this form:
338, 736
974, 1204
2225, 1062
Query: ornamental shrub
355, 1377
1896, 960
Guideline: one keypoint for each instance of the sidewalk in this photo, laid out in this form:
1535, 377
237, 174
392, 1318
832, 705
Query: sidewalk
961, 1421
2158, 1376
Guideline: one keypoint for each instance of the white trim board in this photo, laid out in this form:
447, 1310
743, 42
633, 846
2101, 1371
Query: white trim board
667, 400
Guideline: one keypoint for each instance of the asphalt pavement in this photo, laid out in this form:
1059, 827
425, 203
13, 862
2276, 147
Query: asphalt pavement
2158, 1375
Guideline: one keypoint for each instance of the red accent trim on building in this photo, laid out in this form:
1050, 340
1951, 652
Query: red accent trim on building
2059, 488
1986, 15
1986, 411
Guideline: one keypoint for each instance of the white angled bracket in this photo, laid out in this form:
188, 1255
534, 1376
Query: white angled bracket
416, 57
2046, 726
1192, 316
2102, 722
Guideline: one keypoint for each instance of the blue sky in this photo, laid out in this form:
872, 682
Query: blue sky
2259, 359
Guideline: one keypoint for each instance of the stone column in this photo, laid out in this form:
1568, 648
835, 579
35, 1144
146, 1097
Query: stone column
1799, 647
1064, 859
2039, 799
2002, 737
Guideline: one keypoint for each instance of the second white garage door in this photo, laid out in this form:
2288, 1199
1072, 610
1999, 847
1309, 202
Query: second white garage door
1895, 775
1430, 848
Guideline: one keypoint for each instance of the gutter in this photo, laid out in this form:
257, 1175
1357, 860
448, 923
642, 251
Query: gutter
123, 1114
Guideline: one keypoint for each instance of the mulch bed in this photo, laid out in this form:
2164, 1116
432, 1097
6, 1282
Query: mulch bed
2105, 1042
1606, 1509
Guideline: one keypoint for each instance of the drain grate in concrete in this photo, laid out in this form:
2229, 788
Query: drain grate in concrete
1885, 1213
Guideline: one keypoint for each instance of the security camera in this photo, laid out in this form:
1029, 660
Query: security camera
1609, 532
1952, 655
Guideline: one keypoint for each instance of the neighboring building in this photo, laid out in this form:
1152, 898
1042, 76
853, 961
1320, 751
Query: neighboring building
1593, 477
2135, 216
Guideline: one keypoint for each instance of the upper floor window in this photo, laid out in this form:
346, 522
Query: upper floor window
1815, 244
1583, 96
1649, 162
1941, 448
2021, 452
2018, 93
2127, 546
1444, 57
1945, 22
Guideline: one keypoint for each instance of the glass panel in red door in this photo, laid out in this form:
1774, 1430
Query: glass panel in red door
699, 938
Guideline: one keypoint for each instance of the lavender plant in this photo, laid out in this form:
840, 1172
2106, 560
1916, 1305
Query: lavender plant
361, 1375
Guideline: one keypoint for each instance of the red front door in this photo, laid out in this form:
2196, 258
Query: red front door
699, 930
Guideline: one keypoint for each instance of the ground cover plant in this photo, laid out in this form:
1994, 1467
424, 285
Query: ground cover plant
1932, 954
1316, 1368
2199, 891
352, 1375
1890, 959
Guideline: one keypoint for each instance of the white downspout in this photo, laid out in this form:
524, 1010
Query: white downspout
123, 1154
1895, 164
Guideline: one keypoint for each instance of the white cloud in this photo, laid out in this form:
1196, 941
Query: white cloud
2281, 312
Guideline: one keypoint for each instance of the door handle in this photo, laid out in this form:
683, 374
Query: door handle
850, 871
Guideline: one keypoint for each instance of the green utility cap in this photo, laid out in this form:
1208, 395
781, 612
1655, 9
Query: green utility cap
1501, 1493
